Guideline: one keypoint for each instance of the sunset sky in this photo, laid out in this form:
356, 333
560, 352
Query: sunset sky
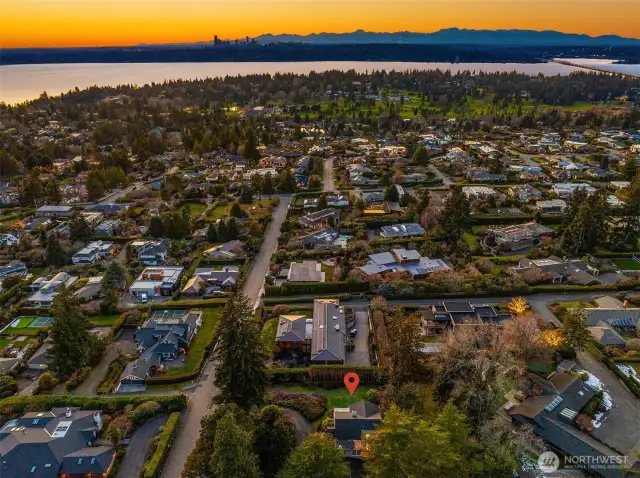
48, 23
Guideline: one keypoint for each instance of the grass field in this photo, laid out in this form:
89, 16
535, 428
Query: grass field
103, 320
196, 208
268, 334
4, 341
626, 264
541, 368
336, 398
204, 336
470, 240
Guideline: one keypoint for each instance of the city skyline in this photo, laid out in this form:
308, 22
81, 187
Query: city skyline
69, 23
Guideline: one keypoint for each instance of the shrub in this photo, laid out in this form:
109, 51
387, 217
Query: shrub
18, 405
46, 381
77, 378
311, 405
111, 377
118, 428
373, 396
8, 386
144, 412
286, 375
153, 466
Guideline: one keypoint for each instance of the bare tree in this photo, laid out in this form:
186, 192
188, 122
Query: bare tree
523, 337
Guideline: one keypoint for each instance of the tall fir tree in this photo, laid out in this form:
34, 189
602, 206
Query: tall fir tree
319, 457
456, 216
71, 342
79, 229
241, 375
56, 256
274, 438
232, 456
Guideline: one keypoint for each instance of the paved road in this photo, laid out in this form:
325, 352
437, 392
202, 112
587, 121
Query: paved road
440, 175
260, 265
327, 180
139, 446
200, 404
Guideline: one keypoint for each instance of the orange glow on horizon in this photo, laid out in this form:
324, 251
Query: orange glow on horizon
65, 23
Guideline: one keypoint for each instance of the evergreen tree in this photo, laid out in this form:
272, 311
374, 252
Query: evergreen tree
223, 235
236, 210
589, 227
456, 216
267, 185
317, 457
79, 229
115, 277
287, 182
250, 147
241, 375
56, 256
391, 194
421, 156
232, 456
212, 234
404, 352
574, 329
631, 168
95, 188
156, 228
232, 229
274, 438
71, 342
52, 192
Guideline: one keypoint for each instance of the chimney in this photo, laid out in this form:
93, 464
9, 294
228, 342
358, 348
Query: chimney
97, 419
337, 327
68, 413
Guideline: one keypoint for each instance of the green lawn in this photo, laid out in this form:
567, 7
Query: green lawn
268, 334
574, 304
336, 398
204, 337
103, 320
196, 208
328, 272
470, 239
626, 264
4, 341
541, 368
36, 271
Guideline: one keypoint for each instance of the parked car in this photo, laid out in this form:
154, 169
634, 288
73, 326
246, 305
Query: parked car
144, 299
353, 332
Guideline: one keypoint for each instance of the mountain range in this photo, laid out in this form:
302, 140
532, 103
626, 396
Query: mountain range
455, 36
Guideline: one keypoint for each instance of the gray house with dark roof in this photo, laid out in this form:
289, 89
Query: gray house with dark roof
54, 443
552, 408
329, 332
354, 425
160, 339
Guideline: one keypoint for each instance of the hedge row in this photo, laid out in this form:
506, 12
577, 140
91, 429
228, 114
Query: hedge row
77, 378
295, 300
327, 374
632, 385
112, 376
311, 405
293, 288
18, 405
153, 466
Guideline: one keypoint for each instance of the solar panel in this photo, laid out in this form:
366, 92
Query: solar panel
554, 404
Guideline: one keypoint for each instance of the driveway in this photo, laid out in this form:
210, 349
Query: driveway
360, 355
139, 446
621, 428
89, 386
440, 175
254, 282
200, 404
327, 179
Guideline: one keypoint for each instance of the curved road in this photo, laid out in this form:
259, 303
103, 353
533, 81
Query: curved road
200, 401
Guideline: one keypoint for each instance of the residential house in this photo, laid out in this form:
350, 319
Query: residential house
56, 443
552, 408
488, 178
525, 193
613, 314
401, 230
338, 200
90, 289
53, 211
574, 270
109, 209
293, 337
214, 280
39, 360
354, 426
403, 260
566, 190
553, 206
318, 219
323, 239
451, 314
160, 340
328, 335
229, 250
94, 251
478, 192
46, 288
157, 281
8, 240
305, 271
613, 201
373, 197
13, 268
153, 253
516, 237
107, 228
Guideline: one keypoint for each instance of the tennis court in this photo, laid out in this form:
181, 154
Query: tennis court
21, 322
41, 322
160, 315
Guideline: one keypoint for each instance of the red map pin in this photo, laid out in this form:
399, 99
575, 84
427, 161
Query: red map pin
351, 380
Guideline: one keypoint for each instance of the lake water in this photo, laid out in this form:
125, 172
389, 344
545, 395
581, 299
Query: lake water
23, 82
